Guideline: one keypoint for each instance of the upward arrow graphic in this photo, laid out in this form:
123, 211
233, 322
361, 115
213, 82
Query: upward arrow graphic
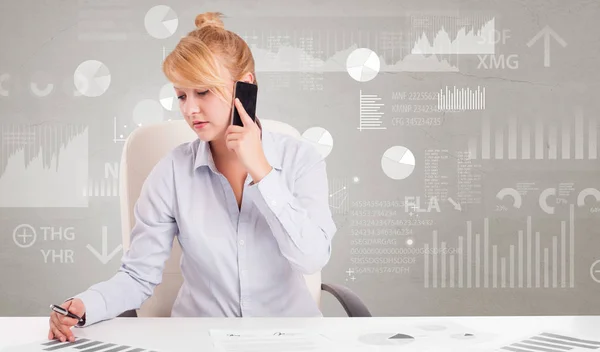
547, 32
104, 257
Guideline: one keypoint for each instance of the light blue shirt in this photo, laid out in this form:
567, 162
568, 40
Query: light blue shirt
235, 262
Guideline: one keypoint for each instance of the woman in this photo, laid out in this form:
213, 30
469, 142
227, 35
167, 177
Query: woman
249, 206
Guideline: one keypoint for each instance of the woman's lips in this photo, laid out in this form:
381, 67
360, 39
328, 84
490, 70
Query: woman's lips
200, 124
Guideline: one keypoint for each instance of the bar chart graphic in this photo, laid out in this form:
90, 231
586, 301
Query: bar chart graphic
537, 140
370, 114
107, 186
527, 265
43, 166
102, 188
461, 99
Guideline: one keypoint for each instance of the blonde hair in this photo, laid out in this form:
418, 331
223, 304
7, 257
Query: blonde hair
197, 58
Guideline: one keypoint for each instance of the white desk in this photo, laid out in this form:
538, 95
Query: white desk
192, 334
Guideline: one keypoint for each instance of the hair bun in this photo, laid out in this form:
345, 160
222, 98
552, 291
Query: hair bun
209, 19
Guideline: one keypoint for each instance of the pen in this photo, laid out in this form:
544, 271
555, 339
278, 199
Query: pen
61, 310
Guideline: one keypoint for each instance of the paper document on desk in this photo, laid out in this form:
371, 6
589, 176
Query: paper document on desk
78, 345
553, 342
269, 340
394, 334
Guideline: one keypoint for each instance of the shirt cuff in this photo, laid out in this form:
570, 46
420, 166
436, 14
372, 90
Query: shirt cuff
273, 193
95, 306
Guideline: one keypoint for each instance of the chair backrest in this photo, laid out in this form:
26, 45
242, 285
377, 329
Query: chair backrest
143, 149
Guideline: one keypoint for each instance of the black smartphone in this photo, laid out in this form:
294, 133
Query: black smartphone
246, 93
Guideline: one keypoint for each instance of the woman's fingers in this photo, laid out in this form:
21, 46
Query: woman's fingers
51, 335
68, 321
246, 119
65, 330
64, 320
233, 136
57, 334
232, 145
60, 325
234, 128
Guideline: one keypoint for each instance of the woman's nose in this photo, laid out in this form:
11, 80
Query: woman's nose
190, 107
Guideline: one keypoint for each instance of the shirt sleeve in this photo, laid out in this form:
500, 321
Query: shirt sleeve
300, 221
151, 243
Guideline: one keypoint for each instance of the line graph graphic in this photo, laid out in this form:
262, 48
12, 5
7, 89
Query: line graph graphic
121, 137
43, 166
288, 45
434, 34
339, 196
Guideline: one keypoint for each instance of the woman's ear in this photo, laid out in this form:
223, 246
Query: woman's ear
249, 78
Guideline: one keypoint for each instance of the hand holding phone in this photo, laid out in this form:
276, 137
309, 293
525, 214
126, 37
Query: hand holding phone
246, 93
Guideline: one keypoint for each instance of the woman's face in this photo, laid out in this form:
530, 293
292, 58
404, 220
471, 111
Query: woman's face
205, 112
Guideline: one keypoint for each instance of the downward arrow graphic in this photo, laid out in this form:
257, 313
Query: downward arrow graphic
104, 257
546, 32
456, 205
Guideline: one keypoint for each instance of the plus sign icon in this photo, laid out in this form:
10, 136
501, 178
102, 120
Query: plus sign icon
24, 236
350, 272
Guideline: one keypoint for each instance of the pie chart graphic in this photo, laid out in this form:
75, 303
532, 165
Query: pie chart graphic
320, 138
161, 22
398, 162
92, 78
386, 339
363, 64
168, 97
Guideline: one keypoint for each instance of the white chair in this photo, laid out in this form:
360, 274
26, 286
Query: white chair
142, 150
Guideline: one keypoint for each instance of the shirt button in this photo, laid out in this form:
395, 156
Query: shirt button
273, 202
241, 242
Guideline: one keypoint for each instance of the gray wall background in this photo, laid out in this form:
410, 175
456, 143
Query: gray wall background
50, 131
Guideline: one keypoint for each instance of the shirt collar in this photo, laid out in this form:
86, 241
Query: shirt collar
271, 150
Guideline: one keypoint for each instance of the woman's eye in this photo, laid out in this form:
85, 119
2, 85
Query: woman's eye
181, 97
